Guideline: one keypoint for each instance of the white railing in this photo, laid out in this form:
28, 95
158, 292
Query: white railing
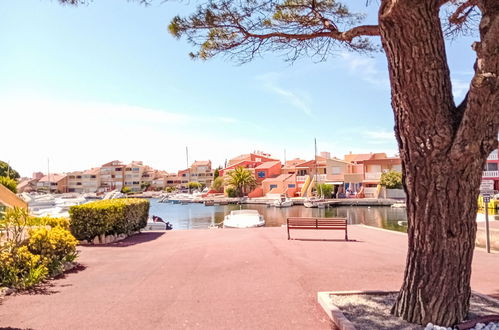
494, 155
373, 175
301, 178
321, 177
490, 174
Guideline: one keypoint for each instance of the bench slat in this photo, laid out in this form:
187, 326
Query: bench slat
318, 224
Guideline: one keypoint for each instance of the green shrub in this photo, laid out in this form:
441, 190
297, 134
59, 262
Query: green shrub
126, 190
115, 216
218, 184
194, 185
170, 189
230, 191
9, 183
391, 180
326, 190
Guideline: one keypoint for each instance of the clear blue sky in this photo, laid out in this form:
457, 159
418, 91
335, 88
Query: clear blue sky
104, 81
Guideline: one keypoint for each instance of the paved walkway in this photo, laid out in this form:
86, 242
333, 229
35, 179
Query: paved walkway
220, 279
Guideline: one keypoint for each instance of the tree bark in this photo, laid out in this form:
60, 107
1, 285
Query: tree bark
443, 148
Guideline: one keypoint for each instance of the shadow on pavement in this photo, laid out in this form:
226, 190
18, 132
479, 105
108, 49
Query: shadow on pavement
132, 240
324, 240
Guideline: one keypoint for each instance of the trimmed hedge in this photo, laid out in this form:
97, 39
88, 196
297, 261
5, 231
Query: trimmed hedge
114, 216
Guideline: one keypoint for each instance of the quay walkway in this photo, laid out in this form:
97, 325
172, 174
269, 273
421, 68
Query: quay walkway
221, 279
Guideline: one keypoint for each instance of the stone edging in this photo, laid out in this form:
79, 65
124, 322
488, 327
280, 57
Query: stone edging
103, 239
339, 319
335, 313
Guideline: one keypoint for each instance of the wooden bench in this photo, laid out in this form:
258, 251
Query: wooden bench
318, 224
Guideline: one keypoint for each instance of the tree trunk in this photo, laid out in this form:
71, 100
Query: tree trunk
443, 150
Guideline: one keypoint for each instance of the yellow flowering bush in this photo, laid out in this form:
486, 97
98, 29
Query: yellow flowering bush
56, 246
49, 221
19, 268
33, 248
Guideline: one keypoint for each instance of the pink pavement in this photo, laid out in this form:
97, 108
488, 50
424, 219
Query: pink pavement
221, 279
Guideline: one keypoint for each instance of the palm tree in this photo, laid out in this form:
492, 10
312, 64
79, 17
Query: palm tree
241, 179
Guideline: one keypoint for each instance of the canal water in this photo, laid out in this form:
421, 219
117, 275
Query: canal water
198, 216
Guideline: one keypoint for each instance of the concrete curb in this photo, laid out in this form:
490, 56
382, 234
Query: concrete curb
340, 320
334, 313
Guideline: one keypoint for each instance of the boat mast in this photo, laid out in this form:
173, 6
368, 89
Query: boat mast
188, 169
315, 161
48, 173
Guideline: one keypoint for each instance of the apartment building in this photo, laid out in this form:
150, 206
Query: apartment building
90, 180
75, 182
491, 170
112, 175
133, 173
54, 183
202, 172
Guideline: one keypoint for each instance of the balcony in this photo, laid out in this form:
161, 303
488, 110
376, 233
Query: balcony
494, 155
301, 178
373, 175
321, 177
490, 174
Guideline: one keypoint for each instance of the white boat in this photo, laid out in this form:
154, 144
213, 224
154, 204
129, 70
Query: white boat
114, 194
243, 219
283, 202
314, 202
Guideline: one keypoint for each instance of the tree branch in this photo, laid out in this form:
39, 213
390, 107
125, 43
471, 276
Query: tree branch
347, 36
462, 12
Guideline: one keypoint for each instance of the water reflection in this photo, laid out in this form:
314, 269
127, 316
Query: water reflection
194, 216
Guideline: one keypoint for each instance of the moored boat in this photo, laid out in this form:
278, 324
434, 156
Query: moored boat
243, 219
283, 202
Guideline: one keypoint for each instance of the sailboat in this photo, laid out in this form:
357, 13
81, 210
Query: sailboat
315, 201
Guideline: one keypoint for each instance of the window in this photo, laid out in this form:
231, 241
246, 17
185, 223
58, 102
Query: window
118, 169
261, 174
273, 186
291, 185
135, 169
336, 170
136, 182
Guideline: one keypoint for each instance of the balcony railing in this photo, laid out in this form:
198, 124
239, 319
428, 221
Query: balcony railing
494, 155
373, 175
321, 177
301, 178
490, 174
